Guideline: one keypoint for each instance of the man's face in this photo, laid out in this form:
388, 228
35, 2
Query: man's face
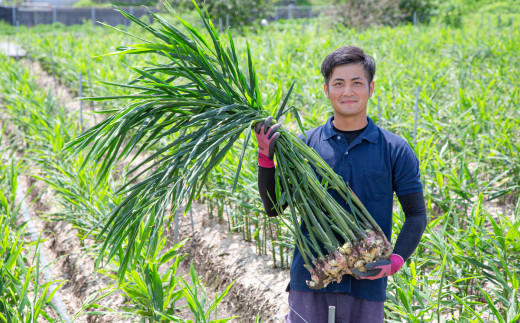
348, 90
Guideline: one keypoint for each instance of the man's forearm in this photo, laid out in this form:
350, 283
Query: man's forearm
413, 226
267, 189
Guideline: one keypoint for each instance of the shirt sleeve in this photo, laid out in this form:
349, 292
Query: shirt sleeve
413, 226
405, 171
267, 190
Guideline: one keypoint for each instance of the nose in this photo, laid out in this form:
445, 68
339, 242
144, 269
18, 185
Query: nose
347, 91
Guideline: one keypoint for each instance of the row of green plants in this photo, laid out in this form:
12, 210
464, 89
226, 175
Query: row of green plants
466, 270
466, 142
153, 288
24, 295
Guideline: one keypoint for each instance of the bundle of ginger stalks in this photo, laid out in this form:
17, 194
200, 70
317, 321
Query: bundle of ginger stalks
189, 107
336, 240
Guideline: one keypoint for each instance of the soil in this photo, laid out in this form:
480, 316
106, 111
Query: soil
222, 258
218, 257
64, 252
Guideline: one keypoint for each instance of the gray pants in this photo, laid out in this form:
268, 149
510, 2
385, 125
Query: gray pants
313, 307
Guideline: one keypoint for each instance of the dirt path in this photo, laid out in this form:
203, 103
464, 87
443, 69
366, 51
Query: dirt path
64, 252
221, 258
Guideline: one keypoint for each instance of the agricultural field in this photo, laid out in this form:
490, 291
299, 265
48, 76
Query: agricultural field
452, 93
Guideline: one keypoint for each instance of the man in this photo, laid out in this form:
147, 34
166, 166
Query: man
375, 163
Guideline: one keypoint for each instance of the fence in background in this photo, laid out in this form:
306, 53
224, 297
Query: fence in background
46, 14
292, 12
53, 2
43, 13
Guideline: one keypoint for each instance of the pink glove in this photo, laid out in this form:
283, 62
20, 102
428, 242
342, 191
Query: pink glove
266, 137
380, 268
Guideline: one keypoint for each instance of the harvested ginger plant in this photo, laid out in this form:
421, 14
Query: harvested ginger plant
191, 105
333, 266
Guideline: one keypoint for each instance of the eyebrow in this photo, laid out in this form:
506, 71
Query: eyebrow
352, 79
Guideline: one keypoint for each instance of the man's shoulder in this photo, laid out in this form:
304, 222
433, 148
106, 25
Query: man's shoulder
393, 140
397, 146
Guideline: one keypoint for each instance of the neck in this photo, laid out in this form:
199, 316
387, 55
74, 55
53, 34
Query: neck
350, 123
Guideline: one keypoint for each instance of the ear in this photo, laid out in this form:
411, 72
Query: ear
326, 90
371, 89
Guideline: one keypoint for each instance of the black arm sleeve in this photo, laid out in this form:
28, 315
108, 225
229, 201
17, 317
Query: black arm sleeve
413, 226
267, 190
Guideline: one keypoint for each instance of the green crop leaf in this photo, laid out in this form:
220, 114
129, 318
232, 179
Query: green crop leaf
284, 103
241, 160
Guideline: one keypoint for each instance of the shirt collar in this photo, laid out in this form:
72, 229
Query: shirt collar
370, 134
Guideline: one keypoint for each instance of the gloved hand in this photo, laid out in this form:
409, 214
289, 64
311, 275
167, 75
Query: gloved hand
266, 137
380, 268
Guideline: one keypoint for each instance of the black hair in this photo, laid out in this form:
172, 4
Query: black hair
348, 55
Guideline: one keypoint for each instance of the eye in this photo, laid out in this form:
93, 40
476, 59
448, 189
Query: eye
358, 83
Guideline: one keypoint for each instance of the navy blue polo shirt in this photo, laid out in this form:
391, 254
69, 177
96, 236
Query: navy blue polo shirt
375, 164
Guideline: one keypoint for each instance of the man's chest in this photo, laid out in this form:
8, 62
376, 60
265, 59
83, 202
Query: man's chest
367, 167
